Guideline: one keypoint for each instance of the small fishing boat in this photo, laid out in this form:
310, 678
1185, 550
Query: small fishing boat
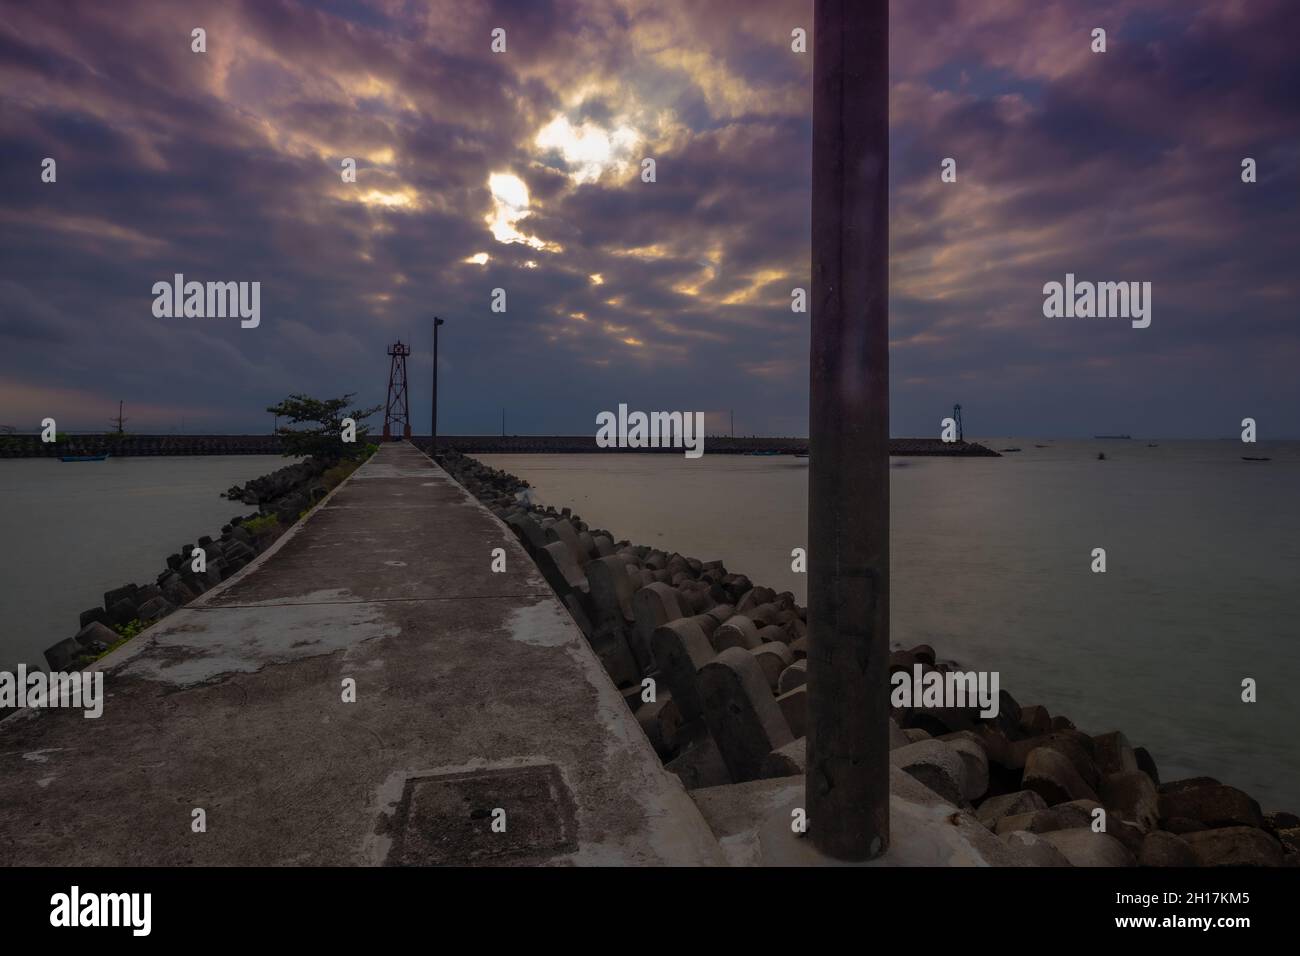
1250, 458
83, 457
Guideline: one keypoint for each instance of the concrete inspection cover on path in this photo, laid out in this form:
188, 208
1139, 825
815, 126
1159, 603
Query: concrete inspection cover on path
448, 818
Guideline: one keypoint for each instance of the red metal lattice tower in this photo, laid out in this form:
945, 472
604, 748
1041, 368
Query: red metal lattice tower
398, 410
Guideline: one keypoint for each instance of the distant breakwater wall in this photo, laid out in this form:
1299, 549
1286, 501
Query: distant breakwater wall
31, 446
727, 660
280, 496
555, 444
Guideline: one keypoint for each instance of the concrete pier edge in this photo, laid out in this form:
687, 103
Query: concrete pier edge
470, 685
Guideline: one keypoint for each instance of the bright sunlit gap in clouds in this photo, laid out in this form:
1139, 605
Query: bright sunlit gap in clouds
588, 150
390, 200
510, 205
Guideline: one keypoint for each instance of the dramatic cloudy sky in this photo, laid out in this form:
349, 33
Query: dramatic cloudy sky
521, 170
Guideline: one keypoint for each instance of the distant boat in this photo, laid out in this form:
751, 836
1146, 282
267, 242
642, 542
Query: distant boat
1249, 458
1011, 449
1042, 446
1152, 445
1122, 437
1101, 456
83, 457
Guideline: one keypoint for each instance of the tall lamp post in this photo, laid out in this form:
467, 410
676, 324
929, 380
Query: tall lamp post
847, 778
433, 441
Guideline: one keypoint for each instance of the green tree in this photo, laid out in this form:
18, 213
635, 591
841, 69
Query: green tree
324, 439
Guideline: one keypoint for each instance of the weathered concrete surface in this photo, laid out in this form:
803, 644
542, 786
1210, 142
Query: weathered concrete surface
753, 823
234, 704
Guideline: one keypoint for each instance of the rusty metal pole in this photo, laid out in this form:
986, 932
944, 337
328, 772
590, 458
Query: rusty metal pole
847, 781
433, 428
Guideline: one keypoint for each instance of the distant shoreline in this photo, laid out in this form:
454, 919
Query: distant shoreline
30, 446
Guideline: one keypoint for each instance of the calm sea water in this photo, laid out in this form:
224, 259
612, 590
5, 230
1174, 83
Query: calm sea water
991, 565
72, 531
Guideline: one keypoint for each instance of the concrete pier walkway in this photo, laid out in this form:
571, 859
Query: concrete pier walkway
484, 729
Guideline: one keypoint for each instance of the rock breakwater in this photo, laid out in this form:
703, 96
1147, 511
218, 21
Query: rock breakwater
281, 496
129, 446
713, 667
714, 444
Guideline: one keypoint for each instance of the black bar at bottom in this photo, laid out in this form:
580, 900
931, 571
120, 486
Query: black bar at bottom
563, 906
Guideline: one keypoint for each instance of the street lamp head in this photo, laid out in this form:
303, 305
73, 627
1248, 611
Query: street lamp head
438, 321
